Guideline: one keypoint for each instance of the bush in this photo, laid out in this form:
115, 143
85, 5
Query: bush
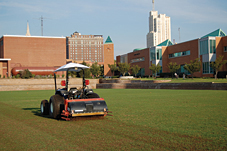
44, 77
100, 77
13, 77
0, 75
50, 76
115, 76
222, 74
63, 76
58, 76
37, 77
4, 76
166, 75
17, 76
33, 75
26, 74
207, 78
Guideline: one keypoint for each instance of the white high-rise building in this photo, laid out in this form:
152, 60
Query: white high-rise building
159, 28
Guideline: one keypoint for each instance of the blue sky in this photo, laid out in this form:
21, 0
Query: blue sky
125, 21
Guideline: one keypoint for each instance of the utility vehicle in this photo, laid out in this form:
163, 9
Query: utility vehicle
72, 102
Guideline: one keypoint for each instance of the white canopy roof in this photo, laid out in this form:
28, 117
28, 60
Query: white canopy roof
72, 67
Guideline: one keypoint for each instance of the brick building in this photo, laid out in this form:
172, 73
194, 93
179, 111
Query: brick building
85, 47
91, 49
206, 48
31, 51
41, 52
108, 56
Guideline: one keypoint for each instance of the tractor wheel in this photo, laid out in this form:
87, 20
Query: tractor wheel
44, 107
93, 95
56, 101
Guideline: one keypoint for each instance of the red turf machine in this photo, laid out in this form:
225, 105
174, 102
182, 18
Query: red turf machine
73, 102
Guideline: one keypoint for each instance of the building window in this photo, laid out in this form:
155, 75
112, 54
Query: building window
179, 54
182, 70
152, 53
211, 70
159, 54
207, 68
141, 73
171, 55
185, 53
225, 48
203, 47
212, 46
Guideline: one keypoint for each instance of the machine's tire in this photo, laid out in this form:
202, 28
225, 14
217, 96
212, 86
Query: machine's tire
55, 106
44, 107
92, 95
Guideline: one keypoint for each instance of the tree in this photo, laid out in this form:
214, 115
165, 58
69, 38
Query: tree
72, 74
217, 65
135, 69
26, 74
113, 67
173, 67
87, 72
155, 68
95, 69
123, 68
194, 66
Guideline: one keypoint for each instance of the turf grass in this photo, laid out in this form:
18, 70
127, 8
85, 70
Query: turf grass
143, 120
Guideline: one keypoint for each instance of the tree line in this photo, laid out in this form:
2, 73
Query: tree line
192, 67
97, 70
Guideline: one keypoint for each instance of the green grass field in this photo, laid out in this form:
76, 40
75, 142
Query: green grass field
143, 120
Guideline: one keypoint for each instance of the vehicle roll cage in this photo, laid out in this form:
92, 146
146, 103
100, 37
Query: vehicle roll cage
67, 79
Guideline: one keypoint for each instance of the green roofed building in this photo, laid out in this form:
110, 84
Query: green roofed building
166, 43
108, 40
138, 49
207, 48
216, 33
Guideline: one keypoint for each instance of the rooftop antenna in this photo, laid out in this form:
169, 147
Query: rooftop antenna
179, 34
152, 5
41, 18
